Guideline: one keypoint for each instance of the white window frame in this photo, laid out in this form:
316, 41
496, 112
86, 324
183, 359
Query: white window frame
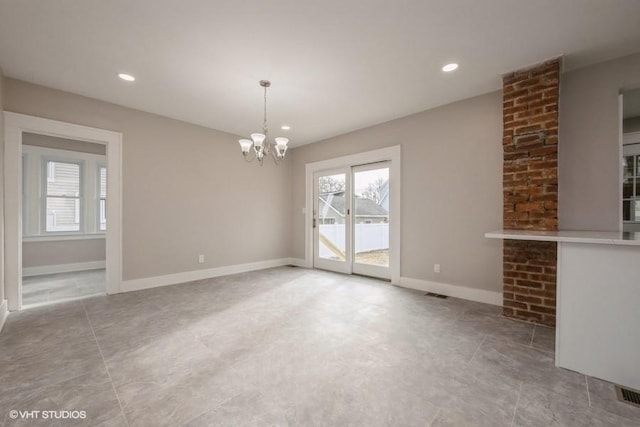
35, 178
80, 199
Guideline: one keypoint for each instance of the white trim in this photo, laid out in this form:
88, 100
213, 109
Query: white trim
189, 276
456, 291
298, 262
621, 142
15, 125
41, 270
384, 154
63, 237
4, 313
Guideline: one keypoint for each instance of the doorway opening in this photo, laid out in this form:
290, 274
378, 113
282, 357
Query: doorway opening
630, 175
64, 223
70, 205
354, 214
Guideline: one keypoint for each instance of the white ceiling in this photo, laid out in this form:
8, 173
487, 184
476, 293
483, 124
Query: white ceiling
336, 65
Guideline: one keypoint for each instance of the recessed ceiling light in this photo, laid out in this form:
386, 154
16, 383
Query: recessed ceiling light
126, 77
285, 127
450, 67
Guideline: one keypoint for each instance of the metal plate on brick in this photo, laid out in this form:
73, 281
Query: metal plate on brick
431, 294
627, 395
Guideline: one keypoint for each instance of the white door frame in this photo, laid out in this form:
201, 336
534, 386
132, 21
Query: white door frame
391, 154
15, 125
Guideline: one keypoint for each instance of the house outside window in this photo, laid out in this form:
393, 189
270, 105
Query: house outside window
327, 221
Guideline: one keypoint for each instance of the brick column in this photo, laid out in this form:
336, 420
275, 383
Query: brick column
530, 190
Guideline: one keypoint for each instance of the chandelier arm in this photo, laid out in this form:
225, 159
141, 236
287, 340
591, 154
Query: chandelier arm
248, 157
275, 158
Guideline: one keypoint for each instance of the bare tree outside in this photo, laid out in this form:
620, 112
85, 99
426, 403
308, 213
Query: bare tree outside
330, 184
374, 191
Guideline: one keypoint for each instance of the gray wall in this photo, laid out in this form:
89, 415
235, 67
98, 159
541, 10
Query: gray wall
1, 187
186, 189
451, 188
589, 164
37, 254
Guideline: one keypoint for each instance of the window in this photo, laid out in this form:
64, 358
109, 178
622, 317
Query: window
62, 196
64, 192
102, 198
631, 189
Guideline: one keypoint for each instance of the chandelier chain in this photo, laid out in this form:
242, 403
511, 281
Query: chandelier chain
264, 125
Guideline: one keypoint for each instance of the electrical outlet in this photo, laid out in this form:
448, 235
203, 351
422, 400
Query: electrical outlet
436, 268
200, 259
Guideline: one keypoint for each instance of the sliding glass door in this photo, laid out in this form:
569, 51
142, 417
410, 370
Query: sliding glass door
371, 220
351, 220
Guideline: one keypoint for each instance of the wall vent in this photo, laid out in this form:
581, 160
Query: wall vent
431, 294
627, 395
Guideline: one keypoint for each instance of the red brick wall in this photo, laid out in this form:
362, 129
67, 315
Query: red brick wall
530, 190
530, 281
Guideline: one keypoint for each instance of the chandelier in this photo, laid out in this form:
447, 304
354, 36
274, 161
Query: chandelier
260, 141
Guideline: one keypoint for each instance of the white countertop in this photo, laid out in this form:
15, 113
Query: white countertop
595, 237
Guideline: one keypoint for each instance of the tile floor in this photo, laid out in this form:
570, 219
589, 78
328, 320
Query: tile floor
290, 346
62, 286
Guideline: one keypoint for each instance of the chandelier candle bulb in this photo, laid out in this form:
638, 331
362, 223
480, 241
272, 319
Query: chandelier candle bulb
281, 146
245, 145
260, 141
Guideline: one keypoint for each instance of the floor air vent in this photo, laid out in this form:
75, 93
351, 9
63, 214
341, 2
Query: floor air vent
431, 294
627, 395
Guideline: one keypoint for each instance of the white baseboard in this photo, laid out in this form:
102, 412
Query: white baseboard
62, 268
4, 312
298, 262
189, 276
463, 292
